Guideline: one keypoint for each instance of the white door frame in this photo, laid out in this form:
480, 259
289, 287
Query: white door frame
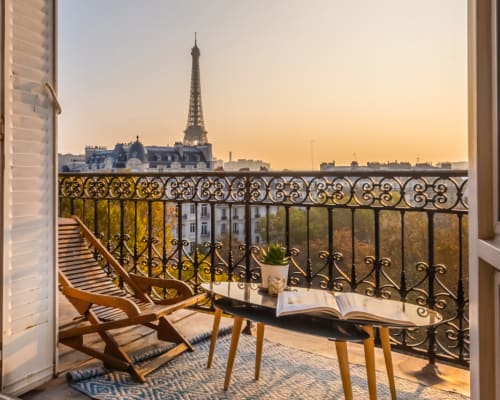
2, 149
484, 232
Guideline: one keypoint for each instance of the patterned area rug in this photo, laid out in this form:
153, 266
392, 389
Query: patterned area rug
285, 374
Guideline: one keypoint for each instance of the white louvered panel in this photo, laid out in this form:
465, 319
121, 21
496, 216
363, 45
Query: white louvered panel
29, 171
24, 267
24, 210
34, 196
26, 97
30, 184
33, 63
25, 310
29, 191
24, 46
26, 235
31, 106
29, 148
22, 159
23, 271
30, 135
29, 73
33, 12
27, 122
34, 109
30, 313
25, 34
23, 185
33, 288
31, 26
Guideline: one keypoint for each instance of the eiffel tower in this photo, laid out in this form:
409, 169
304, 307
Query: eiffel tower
195, 132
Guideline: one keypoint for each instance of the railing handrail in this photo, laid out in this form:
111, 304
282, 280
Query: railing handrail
362, 173
444, 191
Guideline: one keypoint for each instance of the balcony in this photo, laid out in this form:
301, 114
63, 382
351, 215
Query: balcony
396, 235
400, 235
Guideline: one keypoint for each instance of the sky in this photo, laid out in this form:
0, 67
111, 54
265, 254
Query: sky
290, 82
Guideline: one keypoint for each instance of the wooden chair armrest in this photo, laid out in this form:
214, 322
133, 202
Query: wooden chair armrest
145, 283
193, 300
85, 299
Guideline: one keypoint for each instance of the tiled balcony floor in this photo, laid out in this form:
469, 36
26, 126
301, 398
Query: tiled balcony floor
194, 323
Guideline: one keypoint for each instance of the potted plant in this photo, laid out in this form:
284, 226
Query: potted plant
274, 263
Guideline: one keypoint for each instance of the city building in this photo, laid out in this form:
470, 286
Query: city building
390, 165
71, 162
243, 164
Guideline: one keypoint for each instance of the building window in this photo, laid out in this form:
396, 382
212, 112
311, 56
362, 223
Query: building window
235, 213
257, 239
192, 227
235, 228
223, 229
192, 208
223, 213
204, 210
204, 228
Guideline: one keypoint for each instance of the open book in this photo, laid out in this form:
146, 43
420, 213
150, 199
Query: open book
343, 306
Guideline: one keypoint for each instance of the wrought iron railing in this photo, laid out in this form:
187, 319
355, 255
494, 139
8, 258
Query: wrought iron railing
397, 234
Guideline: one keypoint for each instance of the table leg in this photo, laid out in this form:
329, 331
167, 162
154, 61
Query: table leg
386, 346
345, 375
238, 321
369, 345
215, 333
258, 352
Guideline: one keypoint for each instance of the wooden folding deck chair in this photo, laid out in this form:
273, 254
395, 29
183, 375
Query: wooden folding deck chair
104, 307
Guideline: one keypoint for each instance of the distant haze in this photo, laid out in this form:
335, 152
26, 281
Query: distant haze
290, 82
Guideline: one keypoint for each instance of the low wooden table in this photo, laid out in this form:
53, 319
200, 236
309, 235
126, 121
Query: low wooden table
247, 301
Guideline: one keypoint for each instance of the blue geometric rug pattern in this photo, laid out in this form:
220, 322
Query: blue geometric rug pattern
285, 374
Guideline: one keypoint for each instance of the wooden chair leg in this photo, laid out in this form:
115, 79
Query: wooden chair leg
258, 352
369, 345
343, 359
235, 337
215, 333
112, 349
386, 346
167, 332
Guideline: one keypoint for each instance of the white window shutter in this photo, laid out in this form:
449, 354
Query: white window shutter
28, 342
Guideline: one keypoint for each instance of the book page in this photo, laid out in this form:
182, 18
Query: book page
353, 305
292, 302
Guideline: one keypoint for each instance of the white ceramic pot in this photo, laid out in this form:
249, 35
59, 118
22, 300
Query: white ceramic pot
267, 271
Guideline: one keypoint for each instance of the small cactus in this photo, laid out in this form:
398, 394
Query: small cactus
274, 254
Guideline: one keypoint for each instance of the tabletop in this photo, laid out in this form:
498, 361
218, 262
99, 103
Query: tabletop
252, 294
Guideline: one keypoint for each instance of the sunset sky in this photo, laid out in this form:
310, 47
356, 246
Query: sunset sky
290, 82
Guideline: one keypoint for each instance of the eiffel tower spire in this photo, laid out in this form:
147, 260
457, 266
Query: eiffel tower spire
195, 132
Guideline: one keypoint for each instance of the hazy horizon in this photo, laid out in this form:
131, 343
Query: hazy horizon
293, 83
